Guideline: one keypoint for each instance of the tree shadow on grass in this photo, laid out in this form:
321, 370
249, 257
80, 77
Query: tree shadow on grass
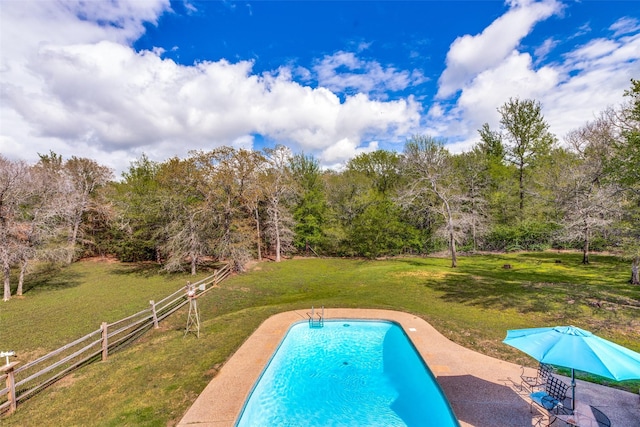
52, 279
547, 267
527, 284
415, 262
567, 300
483, 403
151, 268
144, 269
488, 294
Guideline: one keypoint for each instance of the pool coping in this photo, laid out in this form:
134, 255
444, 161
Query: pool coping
482, 390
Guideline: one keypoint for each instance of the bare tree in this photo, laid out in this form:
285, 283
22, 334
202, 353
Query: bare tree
225, 179
589, 204
279, 190
474, 179
13, 193
36, 219
42, 216
185, 240
428, 165
186, 223
252, 200
82, 177
34, 228
250, 167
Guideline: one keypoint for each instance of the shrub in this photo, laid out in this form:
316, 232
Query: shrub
527, 235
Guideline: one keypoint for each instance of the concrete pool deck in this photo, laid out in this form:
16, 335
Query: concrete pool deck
483, 391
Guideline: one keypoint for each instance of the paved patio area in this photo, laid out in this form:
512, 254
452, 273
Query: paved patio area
482, 390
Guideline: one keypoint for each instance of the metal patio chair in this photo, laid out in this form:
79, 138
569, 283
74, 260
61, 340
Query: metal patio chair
551, 399
532, 383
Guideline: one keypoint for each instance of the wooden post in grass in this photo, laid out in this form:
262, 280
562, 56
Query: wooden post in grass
105, 344
11, 384
155, 316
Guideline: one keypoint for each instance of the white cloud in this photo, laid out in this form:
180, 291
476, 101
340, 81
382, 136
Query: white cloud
572, 90
545, 48
114, 98
582, 30
515, 77
479, 100
625, 25
470, 55
593, 77
436, 111
84, 91
71, 82
595, 49
344, 71
346, 149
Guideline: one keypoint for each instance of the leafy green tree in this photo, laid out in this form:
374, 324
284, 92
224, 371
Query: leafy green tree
310, 209
381, 167
625, 162
346, 199
381, 231
380, 226
502, 192
491, 145
624, 169
527, 138
139, 223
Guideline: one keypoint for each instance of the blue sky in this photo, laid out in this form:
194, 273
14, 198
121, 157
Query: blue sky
113, 80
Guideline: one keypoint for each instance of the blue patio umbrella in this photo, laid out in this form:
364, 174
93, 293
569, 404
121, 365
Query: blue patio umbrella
575, 348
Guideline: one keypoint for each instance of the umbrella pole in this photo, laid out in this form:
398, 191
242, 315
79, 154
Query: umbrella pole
573, 390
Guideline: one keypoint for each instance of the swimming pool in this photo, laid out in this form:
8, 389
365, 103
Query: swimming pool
347, 373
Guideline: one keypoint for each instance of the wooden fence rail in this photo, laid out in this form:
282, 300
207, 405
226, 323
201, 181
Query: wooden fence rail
30, 378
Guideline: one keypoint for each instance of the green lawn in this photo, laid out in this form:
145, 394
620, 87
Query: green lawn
156, 379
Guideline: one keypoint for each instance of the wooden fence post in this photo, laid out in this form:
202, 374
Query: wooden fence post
11, 385
155, 316
105, 344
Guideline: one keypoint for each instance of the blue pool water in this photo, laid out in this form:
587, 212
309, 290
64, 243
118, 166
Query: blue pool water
347, 373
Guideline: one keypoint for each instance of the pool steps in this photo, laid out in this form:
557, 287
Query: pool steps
316, 319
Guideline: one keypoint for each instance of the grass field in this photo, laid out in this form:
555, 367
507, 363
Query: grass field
154, 381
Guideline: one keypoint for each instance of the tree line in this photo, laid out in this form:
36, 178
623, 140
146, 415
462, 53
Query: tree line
517, 188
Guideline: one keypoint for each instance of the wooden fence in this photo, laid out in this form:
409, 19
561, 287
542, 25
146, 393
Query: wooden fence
26, 380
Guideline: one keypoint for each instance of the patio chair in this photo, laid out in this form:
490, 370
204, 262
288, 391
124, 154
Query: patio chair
551, 399
537, 381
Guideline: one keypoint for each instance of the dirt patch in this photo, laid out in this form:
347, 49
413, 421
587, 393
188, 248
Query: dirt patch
27, 356
251, 264
108, 259
213, 371
65, 381
429, 274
